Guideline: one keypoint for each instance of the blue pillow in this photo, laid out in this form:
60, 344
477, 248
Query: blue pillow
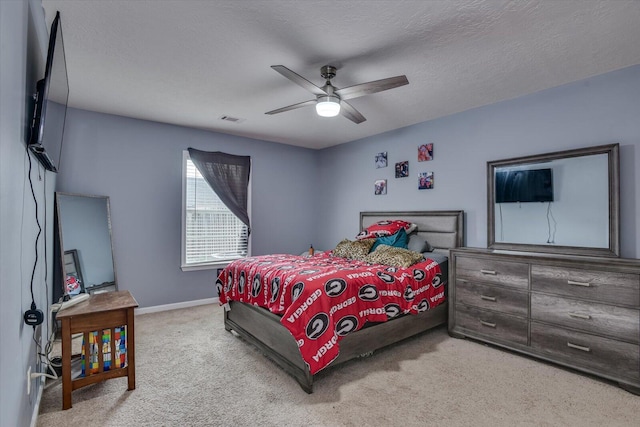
398, 240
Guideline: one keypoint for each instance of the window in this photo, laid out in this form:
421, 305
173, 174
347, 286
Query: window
211, 234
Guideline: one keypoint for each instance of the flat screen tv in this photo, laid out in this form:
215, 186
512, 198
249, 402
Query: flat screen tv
50, 109
534, 185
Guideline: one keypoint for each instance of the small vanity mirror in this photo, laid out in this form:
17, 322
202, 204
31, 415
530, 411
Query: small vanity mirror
85, 246
564, 202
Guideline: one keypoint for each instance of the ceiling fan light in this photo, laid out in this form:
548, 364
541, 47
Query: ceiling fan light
328, 106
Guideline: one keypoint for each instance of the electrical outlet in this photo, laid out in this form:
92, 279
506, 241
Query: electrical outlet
29, 381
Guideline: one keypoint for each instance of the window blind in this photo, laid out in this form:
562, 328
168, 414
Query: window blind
212, 232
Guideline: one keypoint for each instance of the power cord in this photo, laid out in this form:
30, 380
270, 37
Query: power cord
34, 316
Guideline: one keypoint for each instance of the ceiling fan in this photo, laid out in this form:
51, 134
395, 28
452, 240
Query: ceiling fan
331, 101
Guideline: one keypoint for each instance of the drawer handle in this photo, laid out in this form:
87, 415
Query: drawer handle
574, 283
578, 347
491, 272
489, 324
580, 316
488, 298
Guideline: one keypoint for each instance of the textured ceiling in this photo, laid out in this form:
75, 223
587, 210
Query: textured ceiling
190, 62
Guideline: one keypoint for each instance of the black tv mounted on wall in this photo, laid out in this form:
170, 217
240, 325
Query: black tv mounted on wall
50, 109
522, 185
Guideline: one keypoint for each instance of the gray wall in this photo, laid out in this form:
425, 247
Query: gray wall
21, 59
138, 164
600, 110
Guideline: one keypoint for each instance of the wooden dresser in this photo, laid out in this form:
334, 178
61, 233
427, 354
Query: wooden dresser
578, 311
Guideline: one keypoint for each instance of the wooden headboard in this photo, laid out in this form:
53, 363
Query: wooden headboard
442, 229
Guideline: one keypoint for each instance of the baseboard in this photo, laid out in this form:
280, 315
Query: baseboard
36, 407
177, 305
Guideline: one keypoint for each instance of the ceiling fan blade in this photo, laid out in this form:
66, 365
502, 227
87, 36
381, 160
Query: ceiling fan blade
293, 107
298, 79
351, 113
362, 89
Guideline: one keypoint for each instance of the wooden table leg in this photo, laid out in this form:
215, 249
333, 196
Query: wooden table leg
131, 350
66, 364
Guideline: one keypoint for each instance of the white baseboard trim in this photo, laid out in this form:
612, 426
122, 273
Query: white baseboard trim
36, 407
177, 305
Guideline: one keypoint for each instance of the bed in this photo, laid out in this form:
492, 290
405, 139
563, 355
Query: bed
259, 326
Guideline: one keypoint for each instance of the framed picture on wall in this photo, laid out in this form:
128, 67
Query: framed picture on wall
402, 169
425, 152
380, 187
425, 180
381, 160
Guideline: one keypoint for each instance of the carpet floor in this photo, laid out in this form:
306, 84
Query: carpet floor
191, 372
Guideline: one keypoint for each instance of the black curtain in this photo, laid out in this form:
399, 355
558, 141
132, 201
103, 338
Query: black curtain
228, 176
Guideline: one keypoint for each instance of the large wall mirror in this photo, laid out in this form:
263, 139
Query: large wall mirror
84, 245
564, 202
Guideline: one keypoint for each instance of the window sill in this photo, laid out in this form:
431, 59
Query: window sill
209, 266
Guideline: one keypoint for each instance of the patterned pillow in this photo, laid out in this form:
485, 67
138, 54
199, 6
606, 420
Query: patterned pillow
395, 257
385, 228
353, 250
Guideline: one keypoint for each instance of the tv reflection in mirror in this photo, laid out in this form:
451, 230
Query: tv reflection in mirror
524, 186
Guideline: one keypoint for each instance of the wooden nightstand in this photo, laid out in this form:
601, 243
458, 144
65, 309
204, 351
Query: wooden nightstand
105, 311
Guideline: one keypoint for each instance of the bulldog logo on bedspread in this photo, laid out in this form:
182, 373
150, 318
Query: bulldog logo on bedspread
368, 293
335, 287
255, 290
296, 290
418, 275
422, 306
317, 326
229, 281
219, 286
275, 289
385, 277
346, 324
409, 295
392, 310
437, 280
242, 282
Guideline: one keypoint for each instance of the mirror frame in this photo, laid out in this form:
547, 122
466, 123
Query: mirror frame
60, 240
612, 150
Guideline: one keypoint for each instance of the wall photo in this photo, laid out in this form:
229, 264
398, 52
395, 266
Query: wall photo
425, 152
402, 169
381, 160
380, 187
425, 181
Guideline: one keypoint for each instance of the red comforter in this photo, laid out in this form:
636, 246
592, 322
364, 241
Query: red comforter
323, 298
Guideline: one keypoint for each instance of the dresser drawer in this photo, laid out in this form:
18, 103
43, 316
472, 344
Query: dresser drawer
492, 297
577, 349
618, 322
605, 286
502, 327
506, 273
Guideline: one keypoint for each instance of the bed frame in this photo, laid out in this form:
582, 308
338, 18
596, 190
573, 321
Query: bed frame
443, 229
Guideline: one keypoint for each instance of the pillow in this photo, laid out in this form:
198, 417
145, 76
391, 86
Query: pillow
398, 240
418, 244
385, 228
395, 257
353, 250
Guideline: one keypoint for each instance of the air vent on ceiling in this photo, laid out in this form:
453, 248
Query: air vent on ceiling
231, 119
